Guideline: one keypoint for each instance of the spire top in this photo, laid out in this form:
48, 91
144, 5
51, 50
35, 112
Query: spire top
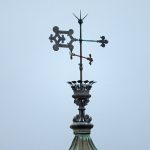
81, 88
60, 42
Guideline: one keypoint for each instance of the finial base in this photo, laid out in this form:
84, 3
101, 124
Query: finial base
81, 127
81, 94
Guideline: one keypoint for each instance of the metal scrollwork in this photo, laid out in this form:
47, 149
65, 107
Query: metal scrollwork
59, 39
81, 97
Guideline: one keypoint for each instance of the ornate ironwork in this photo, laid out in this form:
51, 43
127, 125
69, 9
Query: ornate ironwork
59, 39
81, 97
103, 41
80, 88
59, 42
90, 59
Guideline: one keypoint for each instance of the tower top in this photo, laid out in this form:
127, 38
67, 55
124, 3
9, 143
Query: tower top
81, 89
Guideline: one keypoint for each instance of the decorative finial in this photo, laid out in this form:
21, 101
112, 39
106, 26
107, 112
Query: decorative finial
59, 42
81, 88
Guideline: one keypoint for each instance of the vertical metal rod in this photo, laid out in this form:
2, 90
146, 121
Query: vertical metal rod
80, 21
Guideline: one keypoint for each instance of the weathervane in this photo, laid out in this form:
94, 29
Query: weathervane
81, 89
59, 40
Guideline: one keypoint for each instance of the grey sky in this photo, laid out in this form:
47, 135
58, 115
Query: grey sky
36, 108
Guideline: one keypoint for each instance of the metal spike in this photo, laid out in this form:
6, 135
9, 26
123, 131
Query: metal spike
75, 16
86, 81
91, 82
79, 81
74, 82
85, 16
69, 83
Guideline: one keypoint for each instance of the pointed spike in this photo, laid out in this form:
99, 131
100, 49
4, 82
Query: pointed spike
69, 83
86, 81
85, 16
79, 81
75, 16
90, 82
74, 82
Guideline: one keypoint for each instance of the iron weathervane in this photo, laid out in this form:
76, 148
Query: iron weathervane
59, 42
81, 89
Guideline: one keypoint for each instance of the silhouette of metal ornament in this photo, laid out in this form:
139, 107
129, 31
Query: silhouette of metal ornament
103, 41
81, 97
81, 88
59, 39
90, 59
59, 42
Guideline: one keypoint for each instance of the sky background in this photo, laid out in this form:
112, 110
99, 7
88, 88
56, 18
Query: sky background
36, 105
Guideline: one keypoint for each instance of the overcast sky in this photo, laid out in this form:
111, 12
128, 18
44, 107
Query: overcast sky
36, 105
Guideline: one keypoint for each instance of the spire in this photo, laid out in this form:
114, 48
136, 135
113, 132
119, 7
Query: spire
81, 89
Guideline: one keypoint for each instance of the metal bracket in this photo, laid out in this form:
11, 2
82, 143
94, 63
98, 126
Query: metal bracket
90, 59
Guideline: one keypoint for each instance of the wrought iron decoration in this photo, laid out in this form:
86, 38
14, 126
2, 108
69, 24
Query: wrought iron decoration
80, 88
59, 42
59, 39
